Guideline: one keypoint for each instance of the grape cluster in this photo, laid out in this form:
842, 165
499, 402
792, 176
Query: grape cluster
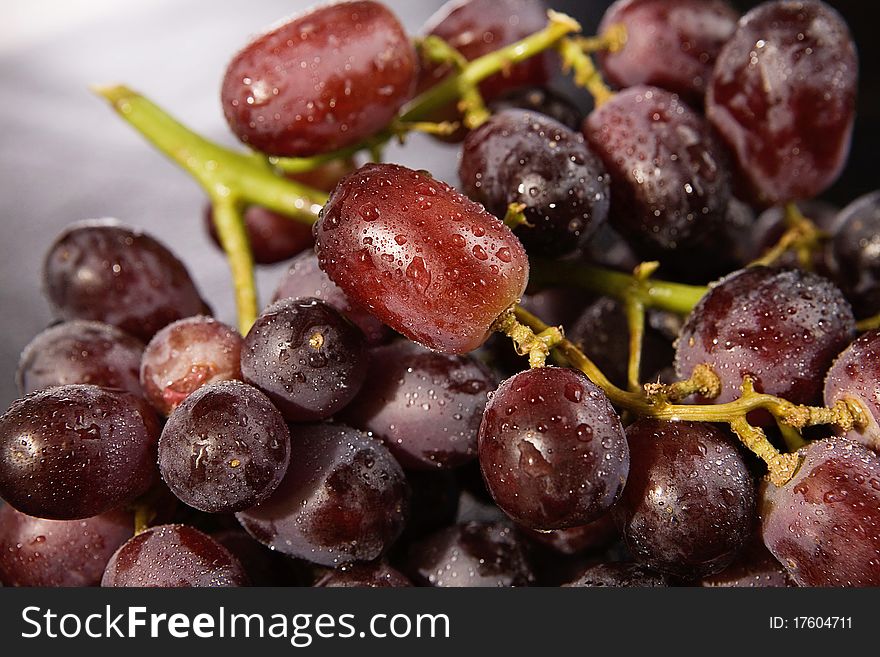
363, 430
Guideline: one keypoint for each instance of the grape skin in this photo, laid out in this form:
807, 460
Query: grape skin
80, 351
320, 81
76, 451
824, 525
689, 502
425, 406
225, 448
669, 44
855, 376
104, 271
546, 101
173, 556
271, 236
782, 327
670, 185
423, 258
552, 449
782, 96
856, 255
372, 576
618, 575
524, 157
344, 498
39, 552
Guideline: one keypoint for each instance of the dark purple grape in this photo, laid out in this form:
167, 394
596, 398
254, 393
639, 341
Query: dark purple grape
552, 449
602, 332
782, 327
856, 252
475, 28
619, 575
426, 260
344, 498
608, 248
38, 552
771, 225
320, 81
372, 576
225, 448
669, 182
541, 99
855, 375
425, 406
525, 157
80, 351
782, 96
186, 355
473, 554
671, 45
76, 451
575, 540
689, 502
272, 236
306, 357
304, 278
104, 271
173, 556
754, 567
824, 525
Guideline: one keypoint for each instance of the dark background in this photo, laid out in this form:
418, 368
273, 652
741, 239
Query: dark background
64, 156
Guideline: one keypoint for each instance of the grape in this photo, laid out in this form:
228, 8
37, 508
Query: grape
608, 249
630, 575
689, 503
103, 271
80, 351
855, 375
782, 327
672, 45
425, 406
824, 525
669, 182
263, 566
524, 157
225, 448
856, 253
754, 567
574, 540
344, 498
173, 556
364, 576
304, 278
782, 96
76, 451
771, 225
541, 99
552, 449
602, 332
477, 27
272, 236
306, 357
186, 355
38, 552
320, 81
423, 258
473, 554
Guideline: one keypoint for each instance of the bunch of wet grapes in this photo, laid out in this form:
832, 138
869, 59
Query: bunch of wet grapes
631, 348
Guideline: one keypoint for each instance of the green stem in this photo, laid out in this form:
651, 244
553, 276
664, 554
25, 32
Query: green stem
233, 237
673, 297
635, 318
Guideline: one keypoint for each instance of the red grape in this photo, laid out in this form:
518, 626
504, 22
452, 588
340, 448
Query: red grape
321, 81
546, 101
618, 574
782, 327
754, 567
856, 252
669, 44
271, 236
364, 576
103, 271
80, 351
689, 503
552, 449
173, 556
824, 524
782, 96
855, 375
425, 406
575, 540
423, 258
76, 451
186, 355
